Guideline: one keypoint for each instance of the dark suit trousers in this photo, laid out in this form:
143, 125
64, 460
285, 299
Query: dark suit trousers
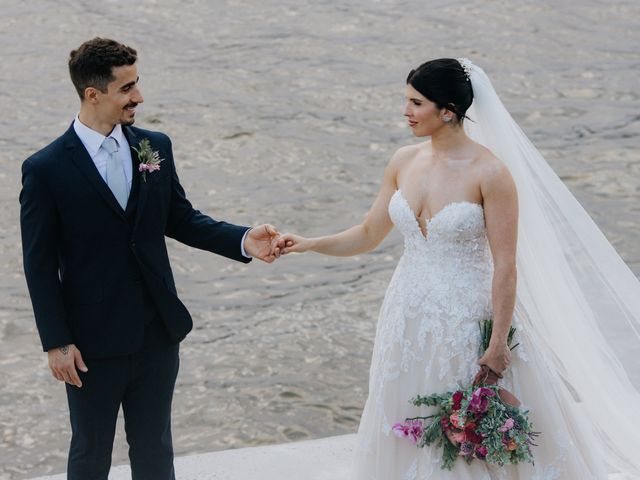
143, 384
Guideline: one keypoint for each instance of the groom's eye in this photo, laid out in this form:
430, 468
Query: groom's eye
128, 86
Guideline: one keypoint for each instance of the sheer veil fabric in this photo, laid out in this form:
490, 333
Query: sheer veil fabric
577, 302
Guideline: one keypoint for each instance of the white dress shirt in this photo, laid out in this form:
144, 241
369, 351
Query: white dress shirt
92, 141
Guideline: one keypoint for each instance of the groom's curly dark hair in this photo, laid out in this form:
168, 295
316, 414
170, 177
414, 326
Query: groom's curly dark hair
90, 65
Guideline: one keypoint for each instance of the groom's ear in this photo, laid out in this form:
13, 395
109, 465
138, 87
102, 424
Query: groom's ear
91, 94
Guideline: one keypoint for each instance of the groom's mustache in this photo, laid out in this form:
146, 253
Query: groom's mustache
131, 105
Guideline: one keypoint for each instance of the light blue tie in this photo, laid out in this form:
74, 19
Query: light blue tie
115, 172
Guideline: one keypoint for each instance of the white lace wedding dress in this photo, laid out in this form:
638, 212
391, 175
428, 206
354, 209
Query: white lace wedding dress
427, 341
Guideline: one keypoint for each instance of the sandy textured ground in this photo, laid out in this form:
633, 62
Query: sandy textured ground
287, 111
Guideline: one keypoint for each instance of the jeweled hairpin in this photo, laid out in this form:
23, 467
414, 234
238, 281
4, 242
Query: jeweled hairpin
467, 65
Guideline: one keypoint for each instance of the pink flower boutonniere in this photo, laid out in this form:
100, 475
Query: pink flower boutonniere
149, 159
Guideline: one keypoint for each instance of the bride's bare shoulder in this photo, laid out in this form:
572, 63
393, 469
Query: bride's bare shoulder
403, 157
489, 165
493, 172
407, 153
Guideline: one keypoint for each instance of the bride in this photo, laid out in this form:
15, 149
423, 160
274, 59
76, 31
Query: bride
490, 231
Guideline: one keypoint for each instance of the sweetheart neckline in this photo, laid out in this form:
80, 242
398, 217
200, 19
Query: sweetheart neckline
429, 220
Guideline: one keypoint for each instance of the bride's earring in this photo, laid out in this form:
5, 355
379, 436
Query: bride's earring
446, 119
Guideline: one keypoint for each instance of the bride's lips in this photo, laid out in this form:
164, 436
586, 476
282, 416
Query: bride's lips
412, 124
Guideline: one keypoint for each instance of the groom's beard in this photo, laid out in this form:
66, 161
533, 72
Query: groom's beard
129, 118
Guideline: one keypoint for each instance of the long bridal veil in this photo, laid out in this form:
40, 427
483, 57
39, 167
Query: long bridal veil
577, 302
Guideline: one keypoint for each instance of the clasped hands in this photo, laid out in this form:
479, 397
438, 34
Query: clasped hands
267, 244
261, 242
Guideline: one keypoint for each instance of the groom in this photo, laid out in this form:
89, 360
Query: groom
94, 212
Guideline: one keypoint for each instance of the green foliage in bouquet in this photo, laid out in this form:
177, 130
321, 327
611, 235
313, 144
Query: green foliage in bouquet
486, 328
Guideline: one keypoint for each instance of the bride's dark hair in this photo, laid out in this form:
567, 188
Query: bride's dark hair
444, 82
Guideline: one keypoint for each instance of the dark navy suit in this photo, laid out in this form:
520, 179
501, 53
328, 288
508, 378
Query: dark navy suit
99, 277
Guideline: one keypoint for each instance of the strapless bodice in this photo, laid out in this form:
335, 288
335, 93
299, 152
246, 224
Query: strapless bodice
456, 231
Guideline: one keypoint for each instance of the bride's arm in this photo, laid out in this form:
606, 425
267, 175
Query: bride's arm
360, 238
500, 201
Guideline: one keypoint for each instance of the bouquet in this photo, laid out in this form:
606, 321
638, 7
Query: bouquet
482, 422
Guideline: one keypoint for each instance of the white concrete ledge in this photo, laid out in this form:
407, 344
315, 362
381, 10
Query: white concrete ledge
324, 459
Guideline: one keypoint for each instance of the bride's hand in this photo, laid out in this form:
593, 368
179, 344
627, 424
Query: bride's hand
291, 243
497, 359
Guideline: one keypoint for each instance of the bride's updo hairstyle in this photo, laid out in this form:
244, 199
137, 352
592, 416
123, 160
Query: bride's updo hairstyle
444, 82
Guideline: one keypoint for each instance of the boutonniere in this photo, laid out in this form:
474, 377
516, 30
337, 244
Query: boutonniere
149, 159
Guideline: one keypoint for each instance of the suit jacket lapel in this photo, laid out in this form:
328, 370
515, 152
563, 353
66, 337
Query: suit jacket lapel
143, 187
135, 174
83, 162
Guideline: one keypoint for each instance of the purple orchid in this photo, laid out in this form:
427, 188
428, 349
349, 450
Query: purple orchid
479, 400
412, 429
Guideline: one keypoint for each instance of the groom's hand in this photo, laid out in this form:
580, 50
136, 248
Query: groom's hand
260, 241
63, 362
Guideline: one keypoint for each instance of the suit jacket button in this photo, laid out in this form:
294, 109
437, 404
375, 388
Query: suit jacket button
133, 244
